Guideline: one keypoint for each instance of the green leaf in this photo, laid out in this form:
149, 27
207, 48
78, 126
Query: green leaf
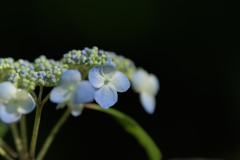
132, 127
3, 129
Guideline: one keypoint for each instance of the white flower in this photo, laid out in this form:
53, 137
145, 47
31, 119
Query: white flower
107, 81
14, 102
72, 91
148, 86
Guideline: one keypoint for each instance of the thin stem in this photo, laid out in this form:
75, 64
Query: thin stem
17, 140
40, 94
45, 99
5, 146
23, 129
4, 154
36, 122
52, 134
35, 132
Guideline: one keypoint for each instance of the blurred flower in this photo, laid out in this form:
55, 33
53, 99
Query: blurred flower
72, 91
147, 85
107, 81
14, 102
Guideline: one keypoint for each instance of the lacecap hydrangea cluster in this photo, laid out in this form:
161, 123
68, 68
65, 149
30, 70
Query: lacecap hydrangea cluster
78, 78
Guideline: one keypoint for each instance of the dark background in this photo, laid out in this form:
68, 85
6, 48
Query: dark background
192, 47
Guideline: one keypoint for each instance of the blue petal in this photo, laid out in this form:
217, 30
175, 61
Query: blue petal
59, 95
95, 77
7, 91
109, 69
120, 82
8, 117
148, 102
84, 93
27, 105
70, 78
106, 96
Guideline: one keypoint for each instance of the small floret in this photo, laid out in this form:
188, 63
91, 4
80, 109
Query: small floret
148, 86
107, 81
14, 102
72, 91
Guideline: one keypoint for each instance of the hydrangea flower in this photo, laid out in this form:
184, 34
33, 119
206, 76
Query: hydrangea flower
72, 91
107, 81
14, 102
147, 85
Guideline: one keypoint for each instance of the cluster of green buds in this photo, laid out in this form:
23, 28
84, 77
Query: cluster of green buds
46, 72
5, 65
124, 65
26, 75
84, 59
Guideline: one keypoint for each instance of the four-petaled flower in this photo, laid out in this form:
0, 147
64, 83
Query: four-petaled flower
107, 81
72, 91
14, 102
147, 85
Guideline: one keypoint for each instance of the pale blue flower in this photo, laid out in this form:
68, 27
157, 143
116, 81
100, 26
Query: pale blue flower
148, 86
14, 102
107, 81
72, 91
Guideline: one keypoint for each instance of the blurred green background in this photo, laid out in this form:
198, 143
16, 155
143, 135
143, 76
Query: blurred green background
192, 47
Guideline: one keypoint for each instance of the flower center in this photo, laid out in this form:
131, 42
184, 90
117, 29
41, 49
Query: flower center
106, 81
71, 89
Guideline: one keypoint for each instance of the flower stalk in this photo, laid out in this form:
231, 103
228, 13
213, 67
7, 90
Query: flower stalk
4, 154
8, 149
36, 123
23, 129
17, 140
35, 132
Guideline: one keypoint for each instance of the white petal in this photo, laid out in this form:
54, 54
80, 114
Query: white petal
95, 77
76, 109
59, 95
21, 94
106, 96
148, 102
61, 105
8, 116
109, 69
120, 82
139, 80
25, 104
7, 91
153, 85
70, 78
84, 93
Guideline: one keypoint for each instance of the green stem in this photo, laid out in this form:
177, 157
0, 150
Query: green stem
52, 134
37, 121
45, 99
35, 132
40, 94
23, 129
4, 154
5, 146
17, 140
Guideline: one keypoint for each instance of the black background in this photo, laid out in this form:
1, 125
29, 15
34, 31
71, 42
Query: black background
191, 46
